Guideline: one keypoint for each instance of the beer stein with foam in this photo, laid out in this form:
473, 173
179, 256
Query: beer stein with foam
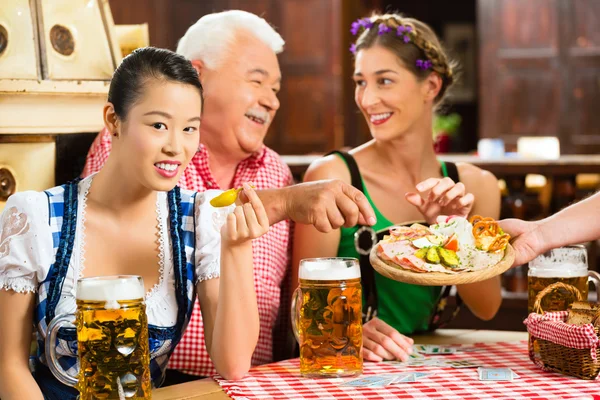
112, 339
327, 317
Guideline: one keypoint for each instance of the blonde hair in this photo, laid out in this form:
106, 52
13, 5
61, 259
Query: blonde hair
210, 37
424, 44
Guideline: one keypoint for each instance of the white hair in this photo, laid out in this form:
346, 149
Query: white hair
210, 37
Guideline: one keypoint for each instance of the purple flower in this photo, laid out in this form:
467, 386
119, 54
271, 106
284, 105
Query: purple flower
383, 28
360, 23
423, 64
400, 30
353, 48
408, 29
406, 39
366, 23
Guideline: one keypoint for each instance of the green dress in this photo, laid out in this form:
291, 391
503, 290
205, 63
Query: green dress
407, 308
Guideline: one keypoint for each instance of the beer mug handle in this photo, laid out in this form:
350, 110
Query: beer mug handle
294, 312
57, 370
594, 277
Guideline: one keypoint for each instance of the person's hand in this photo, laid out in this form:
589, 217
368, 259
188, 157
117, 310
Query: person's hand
382, 342
526, 239
444, 198
328, 205
247, 222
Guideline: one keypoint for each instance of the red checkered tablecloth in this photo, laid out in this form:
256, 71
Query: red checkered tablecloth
282, 380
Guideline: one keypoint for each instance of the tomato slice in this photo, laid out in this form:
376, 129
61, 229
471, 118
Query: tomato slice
452, 243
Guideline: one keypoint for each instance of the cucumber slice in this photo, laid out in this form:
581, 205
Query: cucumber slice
448, 257
422, 253
433, 256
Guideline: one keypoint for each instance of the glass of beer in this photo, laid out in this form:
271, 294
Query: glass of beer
327, 317
112, 339
565, 265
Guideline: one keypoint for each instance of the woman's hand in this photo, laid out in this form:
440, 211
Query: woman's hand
248, 221
382, 342
444, 198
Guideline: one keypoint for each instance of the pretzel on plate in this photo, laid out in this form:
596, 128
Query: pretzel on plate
488, 234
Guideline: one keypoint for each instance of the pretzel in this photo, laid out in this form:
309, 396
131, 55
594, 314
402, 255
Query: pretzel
488, 227
476, 218
499, 243
485, 228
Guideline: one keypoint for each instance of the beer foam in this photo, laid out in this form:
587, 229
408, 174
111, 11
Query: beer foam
110, 289
564, 270
329, 269
561, 262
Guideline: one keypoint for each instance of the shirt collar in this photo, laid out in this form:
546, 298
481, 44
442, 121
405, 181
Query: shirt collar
257, 159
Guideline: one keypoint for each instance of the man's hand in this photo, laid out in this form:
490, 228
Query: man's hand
326, 204
526, 239
445, 197
382, 342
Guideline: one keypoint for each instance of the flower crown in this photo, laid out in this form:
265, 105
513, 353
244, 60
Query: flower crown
405, 32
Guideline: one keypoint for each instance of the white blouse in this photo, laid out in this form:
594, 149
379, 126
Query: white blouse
26, 249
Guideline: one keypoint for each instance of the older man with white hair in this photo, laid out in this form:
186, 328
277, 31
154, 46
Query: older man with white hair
235, 54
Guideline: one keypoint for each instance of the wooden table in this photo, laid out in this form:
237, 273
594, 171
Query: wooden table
206, 389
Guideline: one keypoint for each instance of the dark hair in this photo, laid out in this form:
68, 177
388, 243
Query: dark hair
142, 65
424, 45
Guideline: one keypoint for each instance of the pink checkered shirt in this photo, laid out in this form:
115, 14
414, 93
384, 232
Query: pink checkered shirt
271, 251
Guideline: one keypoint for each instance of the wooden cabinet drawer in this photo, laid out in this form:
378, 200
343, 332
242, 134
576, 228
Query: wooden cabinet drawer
26, 166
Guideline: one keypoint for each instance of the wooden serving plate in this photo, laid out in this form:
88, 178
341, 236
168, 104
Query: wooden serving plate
397, 273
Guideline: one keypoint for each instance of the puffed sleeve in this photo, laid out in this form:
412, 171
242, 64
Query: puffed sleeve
208, 234
26, 250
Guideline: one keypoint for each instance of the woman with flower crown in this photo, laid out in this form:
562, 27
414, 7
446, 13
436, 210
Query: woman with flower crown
402, 74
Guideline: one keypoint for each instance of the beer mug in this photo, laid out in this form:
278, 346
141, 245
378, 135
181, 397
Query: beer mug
327, 317
112, 339
559, 277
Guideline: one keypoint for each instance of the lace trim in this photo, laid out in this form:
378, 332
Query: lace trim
82, 212
160, 234
19, 285
160, 223
212, 272
208, 276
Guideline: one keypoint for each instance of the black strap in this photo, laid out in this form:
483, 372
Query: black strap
452, 171
353, 167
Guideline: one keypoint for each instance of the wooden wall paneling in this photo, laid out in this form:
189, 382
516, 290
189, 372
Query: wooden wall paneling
539, 71
311, 65
186, 12
527, 25
356, 130
581, 55
520, 92
529, 100
586, 20
488, 49
262, 8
